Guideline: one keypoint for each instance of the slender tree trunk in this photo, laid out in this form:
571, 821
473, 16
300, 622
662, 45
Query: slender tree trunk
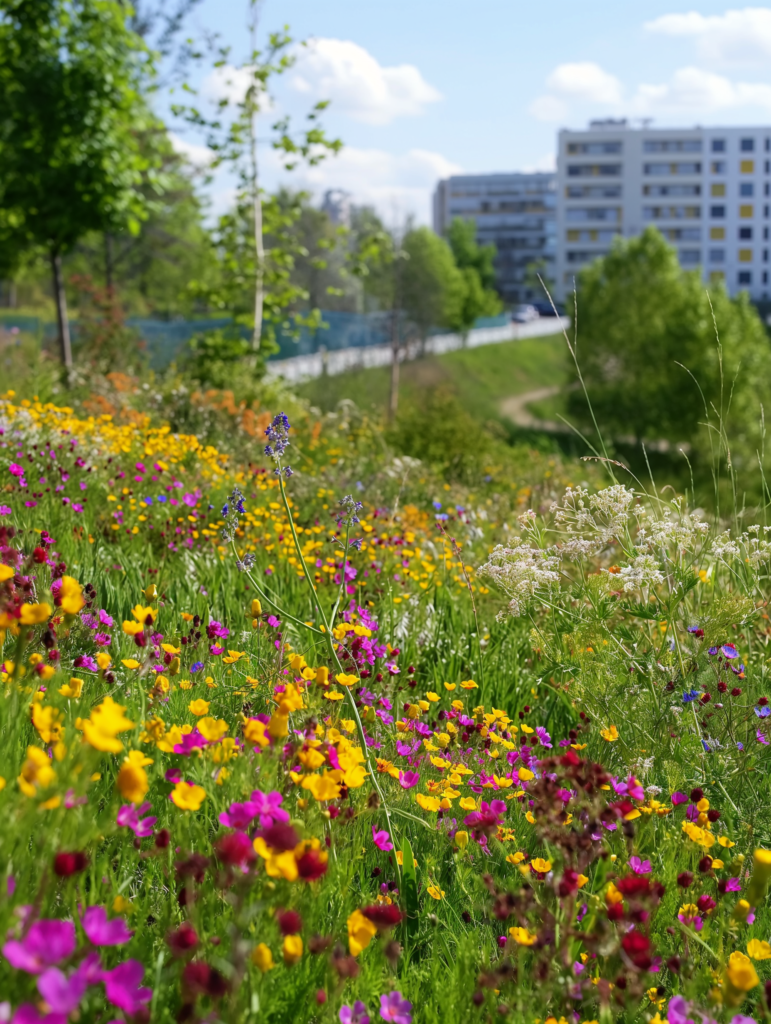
259, 249
62, 317
108, 261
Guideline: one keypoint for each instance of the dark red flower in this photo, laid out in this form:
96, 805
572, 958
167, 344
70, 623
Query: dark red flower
280, 837
162, 838
39, 555
202, 979
637, 948
569, 882
383, 915
234, 849
311, 866
634, 886
684, 879
615, 911
289, 922
183, 940
705, 903
193, 866
66, 864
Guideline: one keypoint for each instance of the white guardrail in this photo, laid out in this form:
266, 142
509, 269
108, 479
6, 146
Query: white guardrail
341, 360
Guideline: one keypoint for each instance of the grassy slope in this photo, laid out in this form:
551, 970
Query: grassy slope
480, 377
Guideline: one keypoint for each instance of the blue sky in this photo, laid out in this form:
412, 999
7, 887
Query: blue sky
421, 89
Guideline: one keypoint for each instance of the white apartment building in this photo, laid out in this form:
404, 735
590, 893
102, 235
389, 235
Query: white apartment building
705, 189
514, 211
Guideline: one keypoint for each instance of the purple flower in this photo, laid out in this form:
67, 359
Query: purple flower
382, 840
679, 798
408, 779
729, 651
354, 1015
122, 987
103, 932
5, 510
105, 619
763, 712
128, 817
46, 944
196, 666
543, 736
87, 662
640, 867
216, 629
394, 1007
761, 738
733, 885
677, 1011
273, 621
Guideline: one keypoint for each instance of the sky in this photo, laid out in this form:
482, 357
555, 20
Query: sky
420, 89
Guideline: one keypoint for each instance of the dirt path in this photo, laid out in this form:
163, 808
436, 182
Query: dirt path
515, 408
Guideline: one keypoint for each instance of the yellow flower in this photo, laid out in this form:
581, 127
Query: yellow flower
428, 803
263, 958
212, 729
323, 787
256, 610
121, 905
516, 858
72, 689
292, 949
610, 734
103, 660
102, 728
132, 778
468, 803
2, 783
726, 842
36, 772
132, 628
34, 614
523, 937
361, 931
761, 866
47, 721
143, 614
71, 595
759, 950
540, 865
435, 892
346, 679
741, 977
6, 572
187, 796
199, 707
461, 839
277, 865
469, 684
333, 695
254, 732
130, 662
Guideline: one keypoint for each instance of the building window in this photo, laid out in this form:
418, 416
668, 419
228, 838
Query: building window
690, 257
671, 212
673, 190
765, 277
594, 170
765, 255
672, 146
717, 255
765, 234
767, 167
745, 255
718, 166
593, 148
593, 192
717, 275
746, 189
717, 189
717, 233
579, 214
746, 211
682, 234
747, 166
718, 145
765, 211
679, 168
745, 233
717, 211
747, 145
745, 277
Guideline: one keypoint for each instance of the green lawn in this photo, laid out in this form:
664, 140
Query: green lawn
480, 377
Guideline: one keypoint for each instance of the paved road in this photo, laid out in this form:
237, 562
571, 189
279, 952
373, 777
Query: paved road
515, 408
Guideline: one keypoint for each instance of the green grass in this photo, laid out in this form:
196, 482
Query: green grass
479, 377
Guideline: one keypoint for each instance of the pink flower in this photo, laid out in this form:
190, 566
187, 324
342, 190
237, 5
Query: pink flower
239, 815
408, 779
640, 867
122, 987
105, 619
46, 944
268, 807
382, 840
15, 469
679, 798
128, 817
62, 994
103, 932
5, 510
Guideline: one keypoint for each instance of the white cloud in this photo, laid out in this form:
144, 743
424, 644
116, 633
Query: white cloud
582, 82
693, 90
199, 156
738, 37
397, 185
345, 73
227, 83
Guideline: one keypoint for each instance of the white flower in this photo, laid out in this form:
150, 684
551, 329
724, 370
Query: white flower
520, 572
724, 548
643, 572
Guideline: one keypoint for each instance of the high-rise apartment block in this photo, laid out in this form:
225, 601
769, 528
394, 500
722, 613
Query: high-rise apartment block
706, 190
514, 211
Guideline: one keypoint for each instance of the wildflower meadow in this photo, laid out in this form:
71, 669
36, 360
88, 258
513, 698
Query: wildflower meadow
302, 732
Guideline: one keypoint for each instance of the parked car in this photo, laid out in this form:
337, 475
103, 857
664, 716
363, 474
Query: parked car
524, 314
546, 309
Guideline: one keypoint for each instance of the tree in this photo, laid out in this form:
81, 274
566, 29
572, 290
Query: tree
476, 264
234, 141
433, 288
71, 112
646, 336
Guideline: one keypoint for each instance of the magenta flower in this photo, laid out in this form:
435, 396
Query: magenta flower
103, 932
487, 818
28, 1014
382, 840
395, 1008
62, 994
15, 469
105, 619
733, 885
46, 944
356, 1014
678, 1010
190, 741
122, 985
679, 798
5, 510
761, 738
640, 867
408, 779
128, 817
239, 815
268, 807
87, 662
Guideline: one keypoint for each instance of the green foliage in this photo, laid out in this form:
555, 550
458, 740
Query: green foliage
647, 347
476, 264
73, 112
432, 287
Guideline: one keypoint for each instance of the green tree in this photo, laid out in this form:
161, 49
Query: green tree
433, 288
71, 113
648, 351
476, 264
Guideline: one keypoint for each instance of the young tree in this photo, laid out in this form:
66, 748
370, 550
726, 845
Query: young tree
476, 265
434, 289
71, 80
234, 141
648, 350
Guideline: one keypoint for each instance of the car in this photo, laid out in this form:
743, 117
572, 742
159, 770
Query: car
546, 309
524, 314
